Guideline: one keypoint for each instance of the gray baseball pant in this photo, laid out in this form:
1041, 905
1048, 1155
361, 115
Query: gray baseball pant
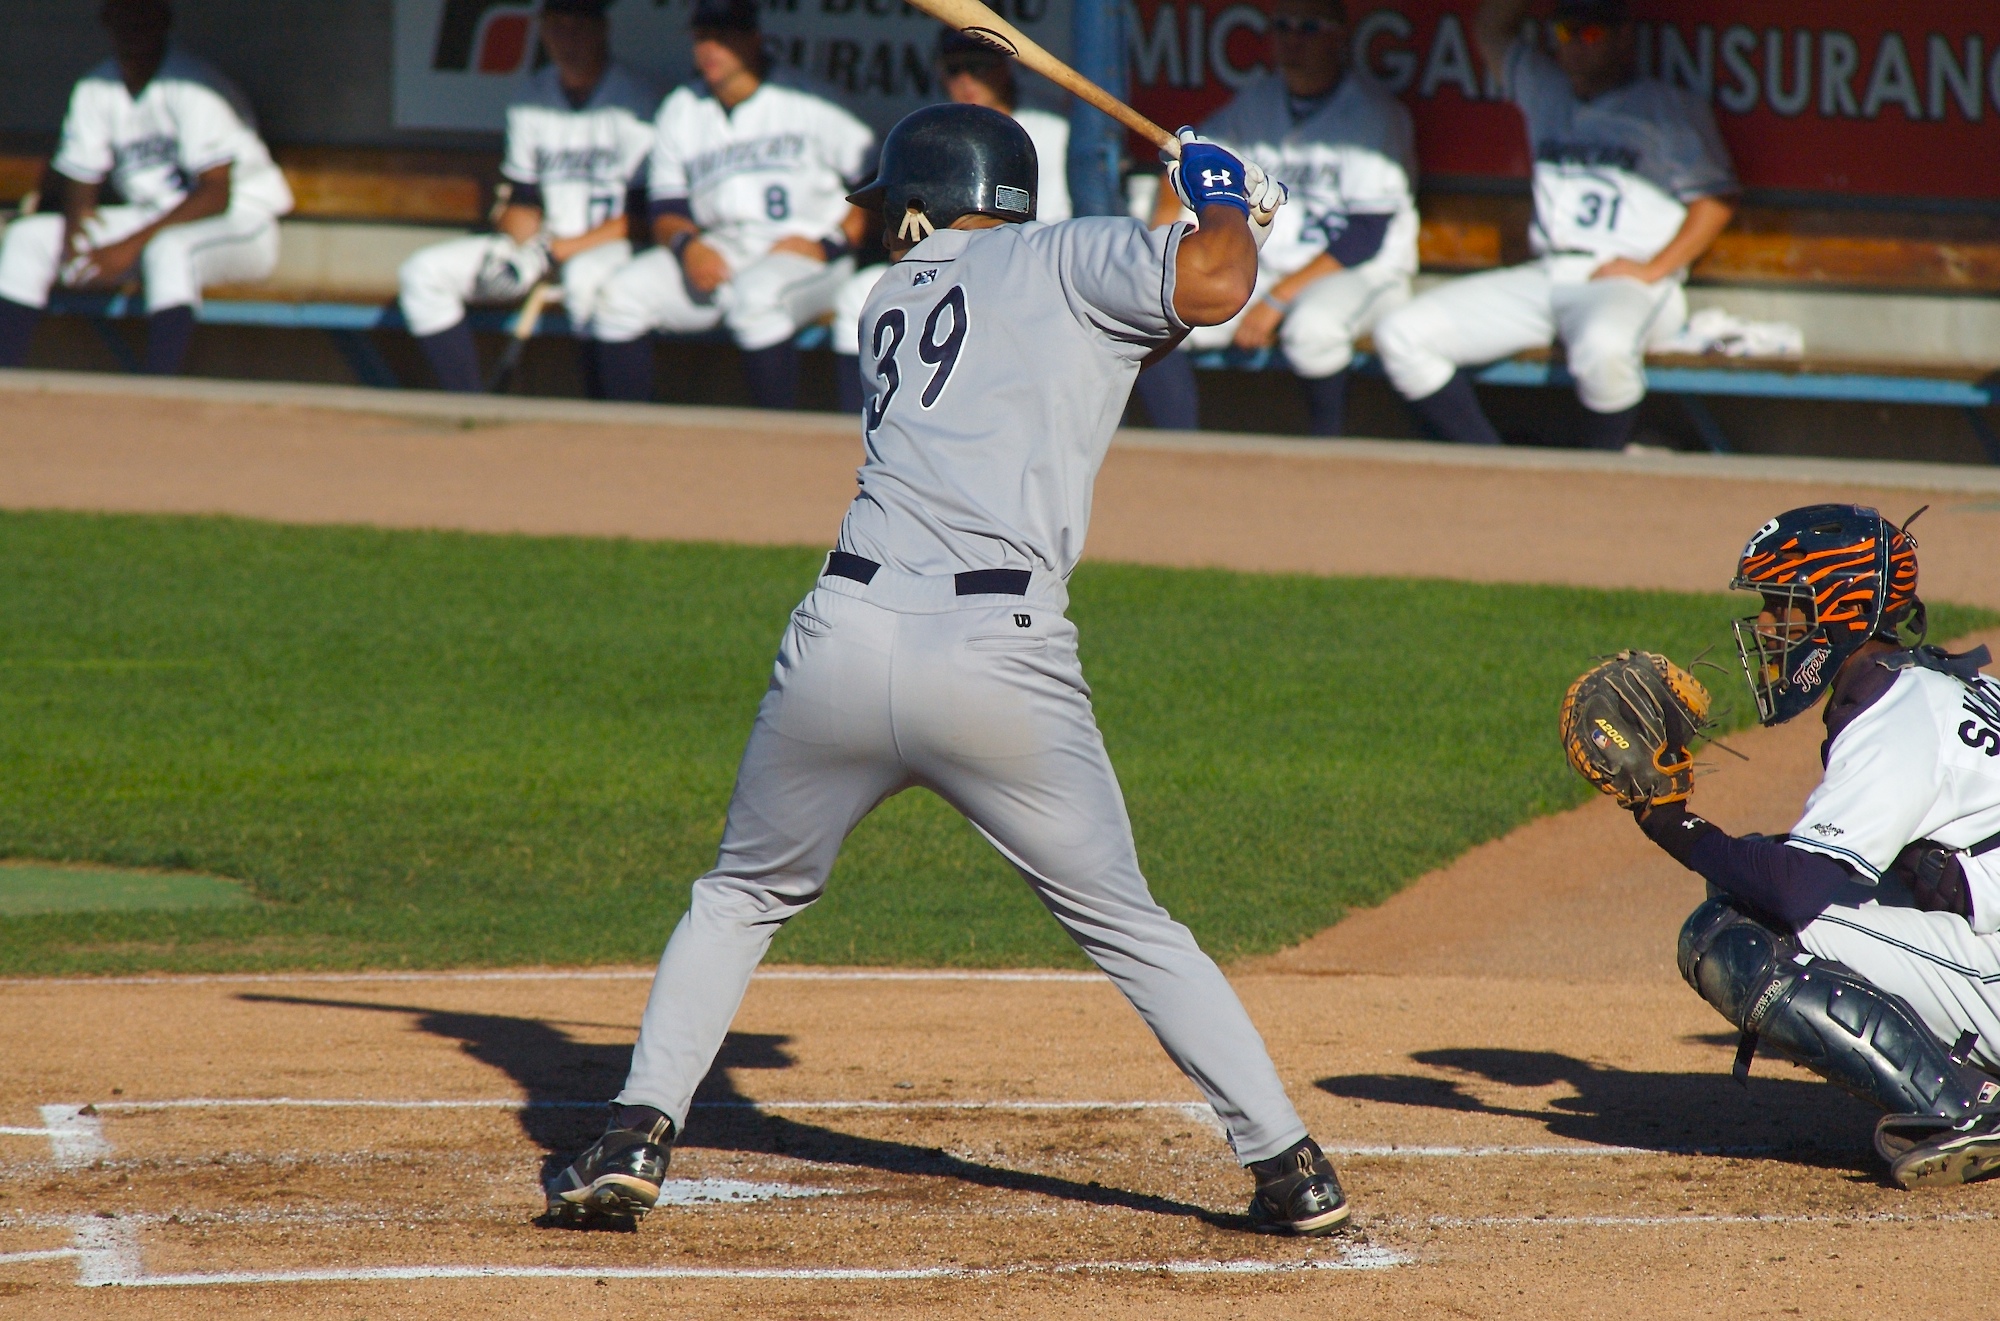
901, 682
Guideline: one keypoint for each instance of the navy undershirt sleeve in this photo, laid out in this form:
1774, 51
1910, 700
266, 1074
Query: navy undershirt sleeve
1790, 884
672, 206
1359, 239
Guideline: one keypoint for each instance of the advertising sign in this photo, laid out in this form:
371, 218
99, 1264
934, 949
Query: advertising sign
460, 62
1831, 96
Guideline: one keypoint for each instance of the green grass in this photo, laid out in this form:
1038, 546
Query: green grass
430, 749
26, 888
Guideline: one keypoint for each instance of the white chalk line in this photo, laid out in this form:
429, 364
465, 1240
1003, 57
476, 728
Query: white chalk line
48, 1254
562, 975
1698, 1218
1359, 1258
25, 1132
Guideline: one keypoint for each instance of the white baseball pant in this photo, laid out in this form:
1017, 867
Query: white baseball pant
762, 305
1319, 330
237, 247
1606, 326
845, 329
1949, 974
901, 683
438, 281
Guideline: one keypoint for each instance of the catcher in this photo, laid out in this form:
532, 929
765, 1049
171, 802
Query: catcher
1863, 944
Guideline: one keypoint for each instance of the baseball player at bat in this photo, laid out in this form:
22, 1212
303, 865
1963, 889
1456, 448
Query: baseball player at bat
1865, 943
200, 195
935, 651
972, 73
576, 146
749, 176
1346, 243
1631, 184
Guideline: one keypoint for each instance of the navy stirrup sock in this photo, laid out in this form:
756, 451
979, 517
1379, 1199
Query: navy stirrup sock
1326, 404
847, 382
1454, 413
17, 331
1168, 390
625, 370
1608, 431
454, 358
773, 375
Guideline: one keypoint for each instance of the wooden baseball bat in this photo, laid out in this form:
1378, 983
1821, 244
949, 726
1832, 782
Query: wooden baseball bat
525, 322
976, 20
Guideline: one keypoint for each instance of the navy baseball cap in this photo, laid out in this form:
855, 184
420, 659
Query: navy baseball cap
726, 15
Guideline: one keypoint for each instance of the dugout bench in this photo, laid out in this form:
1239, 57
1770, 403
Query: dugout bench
1870, 251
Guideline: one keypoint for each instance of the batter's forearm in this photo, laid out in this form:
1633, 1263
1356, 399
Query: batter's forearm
1215, 267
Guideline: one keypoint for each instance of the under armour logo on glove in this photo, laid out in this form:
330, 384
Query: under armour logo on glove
1207, 175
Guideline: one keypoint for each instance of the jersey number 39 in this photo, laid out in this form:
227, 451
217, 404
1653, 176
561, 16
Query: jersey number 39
937, 346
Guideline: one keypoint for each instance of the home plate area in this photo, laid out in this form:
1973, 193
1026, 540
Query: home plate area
379, 1142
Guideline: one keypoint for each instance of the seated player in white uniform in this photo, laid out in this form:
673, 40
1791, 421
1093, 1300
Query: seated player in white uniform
935, 651
1631, 184
200, 195
971, 73
749, 177
575, 148
1864, 944
1347, 245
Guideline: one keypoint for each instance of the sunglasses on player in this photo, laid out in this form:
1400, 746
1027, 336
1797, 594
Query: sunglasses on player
1285, 26
1589, 34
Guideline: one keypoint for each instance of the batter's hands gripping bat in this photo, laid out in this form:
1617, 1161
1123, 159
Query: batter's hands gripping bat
529, 317
976, 20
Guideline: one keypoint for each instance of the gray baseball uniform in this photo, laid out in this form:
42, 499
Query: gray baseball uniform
934, 652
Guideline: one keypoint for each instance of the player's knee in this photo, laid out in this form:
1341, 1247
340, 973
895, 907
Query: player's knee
1731, 959
1610, 374
1316, 347
1405, 340
619, 312
33, 238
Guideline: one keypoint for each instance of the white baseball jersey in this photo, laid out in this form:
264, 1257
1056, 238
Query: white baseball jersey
778, 165
186, 121
1050, 134
1044, 328
1613, 175
1355, 154
581, 161
1921, 762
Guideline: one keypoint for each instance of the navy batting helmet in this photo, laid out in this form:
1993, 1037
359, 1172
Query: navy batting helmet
947, 161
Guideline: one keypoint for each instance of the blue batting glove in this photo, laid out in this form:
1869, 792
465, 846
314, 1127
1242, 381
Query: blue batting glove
1208, 175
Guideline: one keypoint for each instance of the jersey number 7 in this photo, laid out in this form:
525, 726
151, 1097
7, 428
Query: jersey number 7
942, 354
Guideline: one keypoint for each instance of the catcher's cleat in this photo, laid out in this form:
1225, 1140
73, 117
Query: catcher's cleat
1966, 1151
1297, 1193
617, 1178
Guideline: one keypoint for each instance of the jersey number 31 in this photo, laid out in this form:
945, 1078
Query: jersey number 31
941, 353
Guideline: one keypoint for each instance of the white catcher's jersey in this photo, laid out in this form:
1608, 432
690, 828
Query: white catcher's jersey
995, 365
1923, 762
186, 121
779, 165
1354, 155
1613, 175
582, 161
1050, 134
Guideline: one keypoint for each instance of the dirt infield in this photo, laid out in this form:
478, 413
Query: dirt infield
1533, 1115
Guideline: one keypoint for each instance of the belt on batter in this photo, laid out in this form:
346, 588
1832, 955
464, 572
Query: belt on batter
973, 582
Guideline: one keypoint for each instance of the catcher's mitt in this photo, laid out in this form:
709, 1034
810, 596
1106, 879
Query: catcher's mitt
1626, 725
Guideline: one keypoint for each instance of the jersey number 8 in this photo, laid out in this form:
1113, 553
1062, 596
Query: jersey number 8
941, 354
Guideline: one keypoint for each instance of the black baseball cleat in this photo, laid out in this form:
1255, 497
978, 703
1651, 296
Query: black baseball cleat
1297, 1193
617, 1178
1968, 1150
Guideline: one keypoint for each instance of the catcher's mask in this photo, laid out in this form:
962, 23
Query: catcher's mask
1832, 577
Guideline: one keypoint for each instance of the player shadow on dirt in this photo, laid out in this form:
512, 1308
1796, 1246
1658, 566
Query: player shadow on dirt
567, 1082
1792, 1118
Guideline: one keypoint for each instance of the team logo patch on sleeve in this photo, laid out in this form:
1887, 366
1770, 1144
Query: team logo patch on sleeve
922, 278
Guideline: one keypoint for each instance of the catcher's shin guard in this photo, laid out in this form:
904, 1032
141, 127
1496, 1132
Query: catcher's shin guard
1822, 1014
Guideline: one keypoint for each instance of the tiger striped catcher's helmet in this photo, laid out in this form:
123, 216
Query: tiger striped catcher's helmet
1832, 577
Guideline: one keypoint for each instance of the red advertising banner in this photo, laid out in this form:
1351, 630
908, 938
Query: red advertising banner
1830, 96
